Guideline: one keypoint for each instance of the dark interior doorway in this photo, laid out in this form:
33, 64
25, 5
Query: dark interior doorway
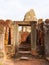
25, 41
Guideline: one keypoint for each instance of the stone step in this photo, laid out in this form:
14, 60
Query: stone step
24, 51
24, 58
24, 47
24, 55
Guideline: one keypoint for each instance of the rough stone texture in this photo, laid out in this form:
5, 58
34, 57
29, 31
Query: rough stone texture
40, 21
46, 39
6, 36
12, 35
9, 51
9, 48
47, 20
9, 22
24, 36
30, 16
2, 36
33, 38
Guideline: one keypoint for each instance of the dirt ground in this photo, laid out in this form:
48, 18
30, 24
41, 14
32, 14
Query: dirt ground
23, 62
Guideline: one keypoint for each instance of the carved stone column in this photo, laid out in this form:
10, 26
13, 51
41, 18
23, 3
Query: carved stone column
46, 39
33, 37
17, 37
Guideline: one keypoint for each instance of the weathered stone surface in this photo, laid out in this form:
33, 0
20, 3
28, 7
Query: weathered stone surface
40, 21
24, 36
2, 36
9, 51
9, 22
30, 16
9, 45
2, 21
47, 21
33, 38
1, 29
6, 36
46, 39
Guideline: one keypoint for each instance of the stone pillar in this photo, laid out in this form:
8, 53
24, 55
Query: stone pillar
10, 41
17, 37
33, 37
46, 39
6, 36
12, 35
2, 37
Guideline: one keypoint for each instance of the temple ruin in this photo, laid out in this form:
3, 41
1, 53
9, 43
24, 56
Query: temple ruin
25, 36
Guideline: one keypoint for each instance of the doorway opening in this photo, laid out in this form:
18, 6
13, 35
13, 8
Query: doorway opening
25, 38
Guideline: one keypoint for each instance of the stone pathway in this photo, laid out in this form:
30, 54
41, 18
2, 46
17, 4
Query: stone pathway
23, 62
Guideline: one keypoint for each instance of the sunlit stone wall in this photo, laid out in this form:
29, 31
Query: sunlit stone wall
2, 37
29, 16
9, 48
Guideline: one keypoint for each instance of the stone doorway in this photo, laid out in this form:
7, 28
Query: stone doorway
23, 33
24, 41
25, 38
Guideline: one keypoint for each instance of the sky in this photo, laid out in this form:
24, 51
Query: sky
16, 9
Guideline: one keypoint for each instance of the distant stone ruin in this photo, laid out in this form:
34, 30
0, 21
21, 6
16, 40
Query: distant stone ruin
30, 16
11, 37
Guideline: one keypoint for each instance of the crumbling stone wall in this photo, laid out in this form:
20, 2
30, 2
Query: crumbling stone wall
46, 37
9, 48
30, 16
2, 36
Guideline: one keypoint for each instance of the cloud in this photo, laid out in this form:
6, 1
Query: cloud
10, 9
16, 9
